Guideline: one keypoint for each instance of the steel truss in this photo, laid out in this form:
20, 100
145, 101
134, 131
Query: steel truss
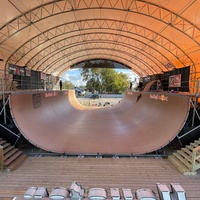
59, 7
194, 104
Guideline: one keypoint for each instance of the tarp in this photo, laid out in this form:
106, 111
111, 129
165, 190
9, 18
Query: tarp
148, 36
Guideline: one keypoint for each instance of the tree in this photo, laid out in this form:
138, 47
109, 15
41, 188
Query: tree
68, 85
92, 75
102, 77
108, 78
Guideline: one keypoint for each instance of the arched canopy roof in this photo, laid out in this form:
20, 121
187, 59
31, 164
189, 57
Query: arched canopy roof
148, 36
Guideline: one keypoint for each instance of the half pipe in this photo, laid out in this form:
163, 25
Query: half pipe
141, 123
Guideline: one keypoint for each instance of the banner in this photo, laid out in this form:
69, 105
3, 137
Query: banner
16, 70
36, 100
175, 81
169, 65
43, 76
27, 71
22, 71
11, 68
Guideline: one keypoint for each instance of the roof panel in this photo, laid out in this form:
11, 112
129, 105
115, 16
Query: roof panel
51, 35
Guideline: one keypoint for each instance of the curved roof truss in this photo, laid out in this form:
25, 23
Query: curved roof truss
50, 36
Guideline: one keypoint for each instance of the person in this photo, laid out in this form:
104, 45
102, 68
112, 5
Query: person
140, 86
158, 85
131, 86
60, 84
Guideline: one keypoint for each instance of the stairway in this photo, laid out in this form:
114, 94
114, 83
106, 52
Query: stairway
11, 156
187, 160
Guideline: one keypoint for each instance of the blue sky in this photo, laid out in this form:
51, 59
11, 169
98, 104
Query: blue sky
74, 76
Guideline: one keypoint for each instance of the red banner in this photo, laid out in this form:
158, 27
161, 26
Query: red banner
175, 81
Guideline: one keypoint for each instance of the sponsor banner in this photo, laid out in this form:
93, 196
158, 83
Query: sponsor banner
65, 92
54, 79
51, 94
48, 78
159, 97
11, 68
129, 93
146, 79
169, 65
16, 70
36, 100
43, 76
175, 81
27, 71
22, 71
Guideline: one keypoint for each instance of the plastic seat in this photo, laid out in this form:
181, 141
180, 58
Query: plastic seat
36, 192
145, 194
177, 193
30, 192
97, 194
59, 193
163, 191
127, 194
114, 193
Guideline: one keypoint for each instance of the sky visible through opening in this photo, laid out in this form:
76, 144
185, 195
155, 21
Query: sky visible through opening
74, 76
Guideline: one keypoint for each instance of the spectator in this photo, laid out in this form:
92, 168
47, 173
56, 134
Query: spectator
131, 86
140, 86
158, 86
60, 84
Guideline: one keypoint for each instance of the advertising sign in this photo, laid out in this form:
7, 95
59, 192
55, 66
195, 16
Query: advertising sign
175, 81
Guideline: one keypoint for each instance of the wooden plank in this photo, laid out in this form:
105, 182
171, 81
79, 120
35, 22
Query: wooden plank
10, 153
133, 173
12, 158
5, 145
16, 163
182, 160
8, 149
1, 158
2, 142
194, 145
186, 156
179, 165
188, 151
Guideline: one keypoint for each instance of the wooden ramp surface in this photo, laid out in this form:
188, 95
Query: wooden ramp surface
139, 124
133, 173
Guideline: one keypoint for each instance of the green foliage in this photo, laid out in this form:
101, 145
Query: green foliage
102, 77
68, 85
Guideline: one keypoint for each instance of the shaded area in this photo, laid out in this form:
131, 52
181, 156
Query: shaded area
135, 126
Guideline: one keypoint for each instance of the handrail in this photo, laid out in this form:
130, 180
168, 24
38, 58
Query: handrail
1, 158
195, 166
9, 130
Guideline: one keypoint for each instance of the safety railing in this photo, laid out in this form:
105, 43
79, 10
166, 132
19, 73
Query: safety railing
195, 159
